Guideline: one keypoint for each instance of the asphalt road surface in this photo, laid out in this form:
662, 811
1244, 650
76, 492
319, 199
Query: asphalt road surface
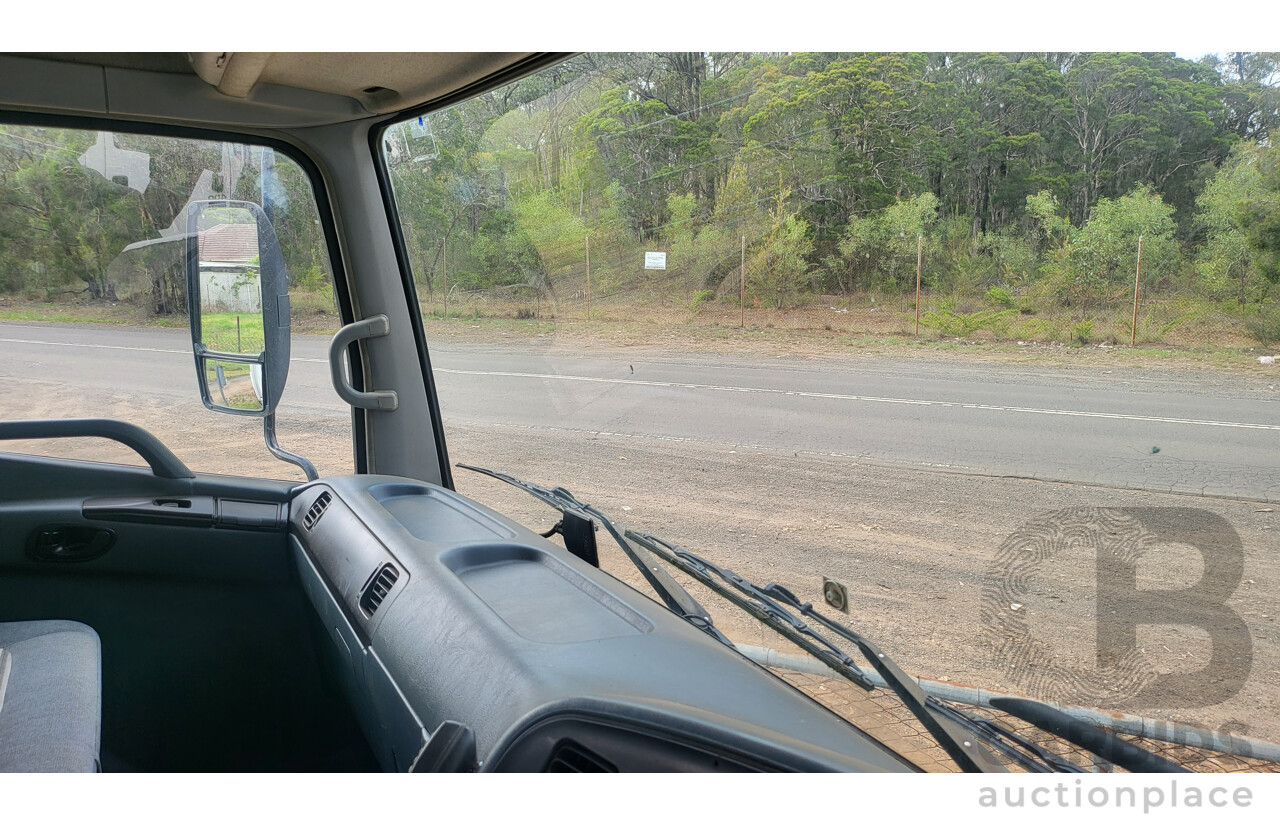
1201, 433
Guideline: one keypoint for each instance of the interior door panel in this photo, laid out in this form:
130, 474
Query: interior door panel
208, 654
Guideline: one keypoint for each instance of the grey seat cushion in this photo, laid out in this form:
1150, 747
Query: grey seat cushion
51, 709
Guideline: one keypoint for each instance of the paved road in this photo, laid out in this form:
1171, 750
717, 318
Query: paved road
1200, 433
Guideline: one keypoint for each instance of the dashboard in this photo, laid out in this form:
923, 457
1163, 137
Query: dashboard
448, 622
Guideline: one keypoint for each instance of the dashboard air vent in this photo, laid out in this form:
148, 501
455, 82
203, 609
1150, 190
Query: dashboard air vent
316, 510
570, 757
378, 588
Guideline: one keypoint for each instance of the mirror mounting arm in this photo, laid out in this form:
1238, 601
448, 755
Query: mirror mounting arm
269, 434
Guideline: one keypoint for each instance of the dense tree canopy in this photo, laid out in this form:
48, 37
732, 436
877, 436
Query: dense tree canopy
688, 152
833, 169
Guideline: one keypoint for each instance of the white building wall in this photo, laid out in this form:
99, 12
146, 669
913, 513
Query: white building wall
234, 291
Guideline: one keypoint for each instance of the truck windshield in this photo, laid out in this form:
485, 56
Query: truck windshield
978, 344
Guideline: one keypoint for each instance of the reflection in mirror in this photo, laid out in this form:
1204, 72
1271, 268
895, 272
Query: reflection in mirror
233, 384
230, 290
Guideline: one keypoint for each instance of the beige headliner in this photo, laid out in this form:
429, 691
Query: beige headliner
267, 88
382, 81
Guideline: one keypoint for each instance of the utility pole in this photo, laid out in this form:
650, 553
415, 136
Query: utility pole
444, 270
588, 277
742, 286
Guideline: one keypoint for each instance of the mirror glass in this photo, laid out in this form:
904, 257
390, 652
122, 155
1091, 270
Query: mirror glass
230, 288
234, 384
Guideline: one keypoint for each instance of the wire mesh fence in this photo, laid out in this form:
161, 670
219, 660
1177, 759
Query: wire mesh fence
233, 332
732, 283
1171, 317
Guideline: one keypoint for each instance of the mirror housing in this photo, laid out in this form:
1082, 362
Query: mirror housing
241, 300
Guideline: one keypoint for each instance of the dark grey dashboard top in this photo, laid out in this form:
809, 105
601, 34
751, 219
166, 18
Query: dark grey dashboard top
488, 624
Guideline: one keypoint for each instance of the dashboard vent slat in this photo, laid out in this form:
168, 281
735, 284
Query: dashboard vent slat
316, 510
378, 588
570, 757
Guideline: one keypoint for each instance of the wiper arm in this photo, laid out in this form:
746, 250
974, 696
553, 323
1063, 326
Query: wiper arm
675, 597
758, 604
766, 604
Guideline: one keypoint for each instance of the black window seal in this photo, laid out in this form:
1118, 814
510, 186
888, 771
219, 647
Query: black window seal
377, 132
295, 153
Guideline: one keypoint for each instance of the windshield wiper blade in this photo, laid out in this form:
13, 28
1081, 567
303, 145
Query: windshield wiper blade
766, 604
758, 605
675, 597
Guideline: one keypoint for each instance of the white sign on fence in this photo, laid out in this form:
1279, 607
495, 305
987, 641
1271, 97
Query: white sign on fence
655, 260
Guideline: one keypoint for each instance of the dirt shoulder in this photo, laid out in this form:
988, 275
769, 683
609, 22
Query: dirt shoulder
669, 330
645, 337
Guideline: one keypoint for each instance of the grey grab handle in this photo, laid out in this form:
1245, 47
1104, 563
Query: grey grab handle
374, 327
163, 462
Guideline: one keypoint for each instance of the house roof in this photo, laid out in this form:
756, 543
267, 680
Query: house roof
229, 243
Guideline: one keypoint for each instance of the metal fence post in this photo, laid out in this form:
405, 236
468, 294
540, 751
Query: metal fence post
919, 261
1137, 276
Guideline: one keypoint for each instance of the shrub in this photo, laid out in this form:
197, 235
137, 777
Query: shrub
314, 280
1083, 331
1105, 251
1034, 330
948, 322
1265, 326
778, 269
701, 297
1000, 297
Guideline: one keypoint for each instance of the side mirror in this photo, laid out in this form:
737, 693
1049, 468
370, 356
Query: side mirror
238, 300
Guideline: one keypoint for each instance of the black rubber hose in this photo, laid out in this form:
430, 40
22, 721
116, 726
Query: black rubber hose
1096, 740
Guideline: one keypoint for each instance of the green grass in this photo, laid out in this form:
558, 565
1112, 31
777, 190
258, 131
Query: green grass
239, 390
87, 315
230, 369
219, 331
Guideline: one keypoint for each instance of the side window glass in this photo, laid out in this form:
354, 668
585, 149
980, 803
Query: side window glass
93, 296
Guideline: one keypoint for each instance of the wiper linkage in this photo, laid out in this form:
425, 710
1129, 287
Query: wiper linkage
765, 603
675, 597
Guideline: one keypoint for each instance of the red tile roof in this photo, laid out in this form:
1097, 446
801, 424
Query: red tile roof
229, 243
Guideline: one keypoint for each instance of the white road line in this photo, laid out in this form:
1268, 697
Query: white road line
91, 346
866, 398
759, 390
134, 349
